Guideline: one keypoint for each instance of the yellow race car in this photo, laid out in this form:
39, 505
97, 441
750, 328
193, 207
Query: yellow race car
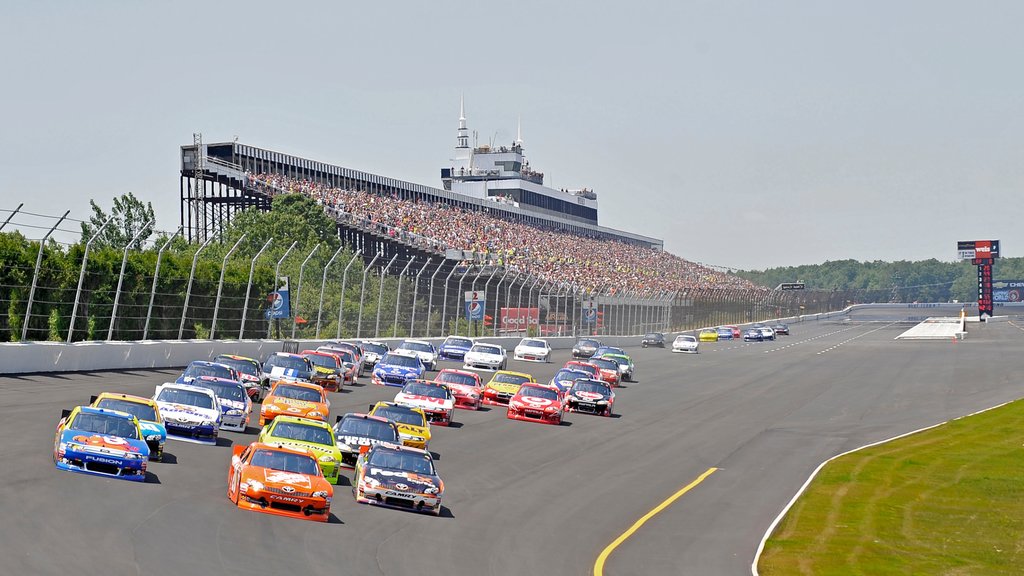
503, 386
708, 335
413, 426
312, 436
154, 432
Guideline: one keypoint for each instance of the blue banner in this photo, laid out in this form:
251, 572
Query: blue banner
590, 315
475, 310
280, 302
1008, 290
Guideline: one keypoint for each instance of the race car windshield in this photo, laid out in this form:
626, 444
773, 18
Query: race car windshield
605, 363
590, 386
298, 393
685, 339
302, 433
537, 392
588, 344
187, 397
223, 390
285, 462
286, 362
417, 346
401, 416
197, 370
510, 378
366, 428
456, 378
460, 342
140, 411
242, 366
322, 361
105, 424
570, 375
402, 460
346, 356
652, 336
375, 348
533, 344
620, 360
417, 389
399, 360
609, 350
486, 349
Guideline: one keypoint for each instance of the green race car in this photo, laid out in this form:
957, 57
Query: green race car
311, 435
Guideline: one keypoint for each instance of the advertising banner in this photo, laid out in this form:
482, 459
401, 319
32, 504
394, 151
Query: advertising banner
513, 319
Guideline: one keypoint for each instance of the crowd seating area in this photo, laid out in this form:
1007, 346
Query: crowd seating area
588, 263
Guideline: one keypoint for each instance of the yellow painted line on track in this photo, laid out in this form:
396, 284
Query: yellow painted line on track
599, 565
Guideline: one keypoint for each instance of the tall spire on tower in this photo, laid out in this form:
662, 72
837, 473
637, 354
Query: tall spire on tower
463, 138
519, 131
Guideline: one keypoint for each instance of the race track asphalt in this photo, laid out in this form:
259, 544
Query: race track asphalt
521, 498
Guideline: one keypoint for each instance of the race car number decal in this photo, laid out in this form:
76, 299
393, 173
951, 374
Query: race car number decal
286, 478
426, 399
536, 401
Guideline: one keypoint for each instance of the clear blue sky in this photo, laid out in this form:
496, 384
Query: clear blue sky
746, 134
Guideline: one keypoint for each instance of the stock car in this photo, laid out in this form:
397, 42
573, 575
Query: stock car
608, 370
767, 332
536, 403
190, 413
454, 348
291, 398
591, 397
328, 371
781, 329
736, 332
503, 386
145, 410
372, 352
355, 350
396, 368
102, 442
284, 365
591, 369
686, 343
653, 339
277, 480
425, 350
486, 356
466, 386
306, 435
235, 405
435, 399
398, 477
356, 432
708, 335
198, 368
564, 378
248, 373
585, 347
412, 423
724, 333
753, 334
626, 369
532, 350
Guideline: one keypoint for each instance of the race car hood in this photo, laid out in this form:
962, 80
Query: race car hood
462, 389
325, 371
403, 371
482, 357
186, 413
411, 430
295, 407
506, 387
281, 480
403, 481
101, 444
317, 450
282, 372
588, 396
448, 348
534, 402
530, 350
153, 430
352, 443
425, 402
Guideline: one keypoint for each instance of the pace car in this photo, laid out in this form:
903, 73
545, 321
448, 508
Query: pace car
235, 405
425, 350
413, 427
398, 477
466, 386
276, 480
101, 442
289, 398
503, 386
591, 397
535, 403
145, 410
284, 365
533, 350
485, 356
372, 352
435, 399
248, 372
313, 436
396, 368
198, 368
685, 343
454, 348
190, 413
585, 348
357, 432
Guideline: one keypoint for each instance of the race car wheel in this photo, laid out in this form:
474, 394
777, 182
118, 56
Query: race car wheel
644, 345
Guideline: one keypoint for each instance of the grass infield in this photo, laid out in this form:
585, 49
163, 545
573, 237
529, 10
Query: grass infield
947, 501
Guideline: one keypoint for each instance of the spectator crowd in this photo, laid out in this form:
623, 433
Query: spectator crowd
588, 263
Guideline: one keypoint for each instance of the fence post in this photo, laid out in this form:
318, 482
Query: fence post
220, 287
497, 303
398, 296
81, 275
519, 303
13, 212
430, 303
188, 290
277, 278
508, 298
362, 294
415, 295
248, 287
344, 281
529, 304
156, 276
120, 279
380, 294
35, 276
298, 291
323, 285
458, 298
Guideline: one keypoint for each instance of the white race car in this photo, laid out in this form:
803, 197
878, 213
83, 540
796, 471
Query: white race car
685, 343
436, 400
486, 356
425, 350
190, 413
533, 350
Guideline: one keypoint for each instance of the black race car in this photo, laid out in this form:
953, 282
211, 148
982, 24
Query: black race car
653, 339
585, 348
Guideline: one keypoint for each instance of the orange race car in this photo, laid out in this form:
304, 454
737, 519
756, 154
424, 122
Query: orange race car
293, 398
273, 479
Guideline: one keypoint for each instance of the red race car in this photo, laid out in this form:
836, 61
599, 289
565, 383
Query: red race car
465, 385
608, 370
587, 367
536, 403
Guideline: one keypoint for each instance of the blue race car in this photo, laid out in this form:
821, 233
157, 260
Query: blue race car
235, 405
454, 348
724, 333
396, 368
198, 368
101, 442
753, 334
565, 377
